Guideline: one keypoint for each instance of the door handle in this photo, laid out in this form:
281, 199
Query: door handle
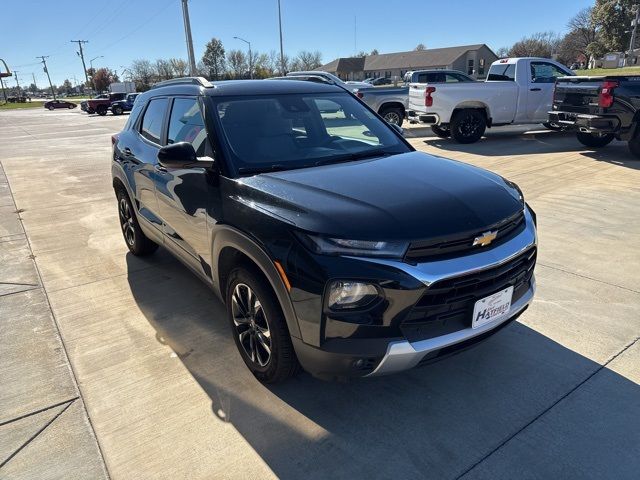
535, 89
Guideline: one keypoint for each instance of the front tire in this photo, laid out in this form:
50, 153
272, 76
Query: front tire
392, 115
468, 126
594, 140
440, 131
137, 242
51, 108
259, 328
116, 110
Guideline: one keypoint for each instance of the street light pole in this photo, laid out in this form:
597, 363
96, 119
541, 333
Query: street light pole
282, 72
250, 56
187, 33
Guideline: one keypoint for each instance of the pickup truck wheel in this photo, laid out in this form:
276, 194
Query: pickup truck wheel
259, 328
139, 244
117, 110
440, 131
392, 115
101, 110
634, 145
594, 140
468, 126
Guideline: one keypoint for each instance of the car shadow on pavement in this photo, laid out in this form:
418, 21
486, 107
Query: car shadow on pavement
437, 421
510, 143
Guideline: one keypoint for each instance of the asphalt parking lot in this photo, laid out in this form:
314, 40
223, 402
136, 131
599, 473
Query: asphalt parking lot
157, 389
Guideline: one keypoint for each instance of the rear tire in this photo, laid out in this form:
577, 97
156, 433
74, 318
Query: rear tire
468, 126
392, 115
137, 242
70, 107
634, 145
102, 111
440, 131
259, 328
593, 140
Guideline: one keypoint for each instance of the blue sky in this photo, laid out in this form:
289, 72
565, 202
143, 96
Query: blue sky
123, 30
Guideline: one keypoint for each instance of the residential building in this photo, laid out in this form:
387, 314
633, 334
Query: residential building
471, 59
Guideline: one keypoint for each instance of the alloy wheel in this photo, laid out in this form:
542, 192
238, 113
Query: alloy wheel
126, 221
251, 325
469, 125
392, 117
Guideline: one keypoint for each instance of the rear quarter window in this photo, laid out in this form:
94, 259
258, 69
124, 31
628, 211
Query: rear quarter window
502, 72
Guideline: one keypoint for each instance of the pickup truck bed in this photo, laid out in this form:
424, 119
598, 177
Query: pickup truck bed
599, 109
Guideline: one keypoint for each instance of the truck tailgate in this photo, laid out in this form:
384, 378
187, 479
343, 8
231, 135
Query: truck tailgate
577, 94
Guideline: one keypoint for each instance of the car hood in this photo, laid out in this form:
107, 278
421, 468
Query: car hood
400, 197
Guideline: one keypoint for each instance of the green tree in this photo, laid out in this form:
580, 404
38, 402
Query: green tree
214, 59
613, 20
420, 47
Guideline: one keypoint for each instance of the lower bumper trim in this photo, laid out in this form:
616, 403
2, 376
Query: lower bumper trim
402, 355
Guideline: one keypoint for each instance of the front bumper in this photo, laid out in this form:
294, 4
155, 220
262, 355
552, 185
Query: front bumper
378, 354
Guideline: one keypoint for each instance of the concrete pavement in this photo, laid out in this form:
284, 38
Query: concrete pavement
555, 395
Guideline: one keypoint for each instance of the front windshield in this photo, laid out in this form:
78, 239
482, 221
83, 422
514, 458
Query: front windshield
289, 131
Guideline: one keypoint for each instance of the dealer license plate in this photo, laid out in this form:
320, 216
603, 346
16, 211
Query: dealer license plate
491, 308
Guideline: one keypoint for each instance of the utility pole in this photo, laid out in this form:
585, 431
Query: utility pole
46, 70
187, 33
33, 75
81, 53
632, 43
282, 72
15, 74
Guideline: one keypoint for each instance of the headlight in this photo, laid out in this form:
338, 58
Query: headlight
349, 295
366, 248
516, 188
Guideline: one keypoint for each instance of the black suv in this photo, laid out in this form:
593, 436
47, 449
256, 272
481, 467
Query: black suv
333, 243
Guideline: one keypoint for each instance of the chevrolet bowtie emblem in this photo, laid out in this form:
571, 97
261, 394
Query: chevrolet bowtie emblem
485, 239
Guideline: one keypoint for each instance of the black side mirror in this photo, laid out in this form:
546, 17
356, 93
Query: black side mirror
397, 128
181, 155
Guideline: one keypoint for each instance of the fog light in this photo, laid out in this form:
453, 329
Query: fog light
348, 295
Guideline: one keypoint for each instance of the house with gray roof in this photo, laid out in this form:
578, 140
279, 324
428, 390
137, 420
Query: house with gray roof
471, 59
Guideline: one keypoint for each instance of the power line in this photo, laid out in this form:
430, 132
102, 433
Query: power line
84, 66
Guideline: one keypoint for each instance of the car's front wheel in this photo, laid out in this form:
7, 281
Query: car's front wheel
51, 107
468, 126
258, 326
137, 242
594, 140
117, 110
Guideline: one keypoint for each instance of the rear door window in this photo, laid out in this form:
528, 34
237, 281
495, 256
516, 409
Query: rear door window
153, 120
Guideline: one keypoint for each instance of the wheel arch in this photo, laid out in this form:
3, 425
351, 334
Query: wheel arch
474, 105
232, 247
387, 105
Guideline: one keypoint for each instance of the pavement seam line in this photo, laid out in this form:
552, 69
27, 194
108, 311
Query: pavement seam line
546, 410
588, 278
35, 435
36, 287
35, 412
59, 332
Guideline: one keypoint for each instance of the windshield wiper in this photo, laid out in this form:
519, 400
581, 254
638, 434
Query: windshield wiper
354, 156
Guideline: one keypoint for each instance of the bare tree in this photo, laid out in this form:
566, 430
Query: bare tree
238, 64
309, 60
179, 67
542, 44
420, 47
374, 52
143, 74
163, 69
582, 32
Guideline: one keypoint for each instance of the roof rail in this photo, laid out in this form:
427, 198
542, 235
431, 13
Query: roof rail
203, 82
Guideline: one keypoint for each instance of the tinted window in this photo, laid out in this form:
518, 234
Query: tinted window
503, 72
153, 120
543, 72
187, 125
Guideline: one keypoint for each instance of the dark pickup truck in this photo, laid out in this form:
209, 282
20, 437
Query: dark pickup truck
101, 103
599, 109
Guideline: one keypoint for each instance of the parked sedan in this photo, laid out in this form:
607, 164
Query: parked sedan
53, 104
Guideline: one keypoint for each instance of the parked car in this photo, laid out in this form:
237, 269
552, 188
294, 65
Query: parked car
437, 76
381, 81
599, 109
517, 90
121, 106
101, 103
53, 104
390, 103
333, 244
349, 85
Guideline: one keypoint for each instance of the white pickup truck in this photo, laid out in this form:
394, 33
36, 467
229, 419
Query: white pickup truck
517, 90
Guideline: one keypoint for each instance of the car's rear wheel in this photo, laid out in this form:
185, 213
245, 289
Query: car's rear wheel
594, 140
440, 131
101, 110
393, 115
70, 106
116, 110
468, 126
258, 326
139, 244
